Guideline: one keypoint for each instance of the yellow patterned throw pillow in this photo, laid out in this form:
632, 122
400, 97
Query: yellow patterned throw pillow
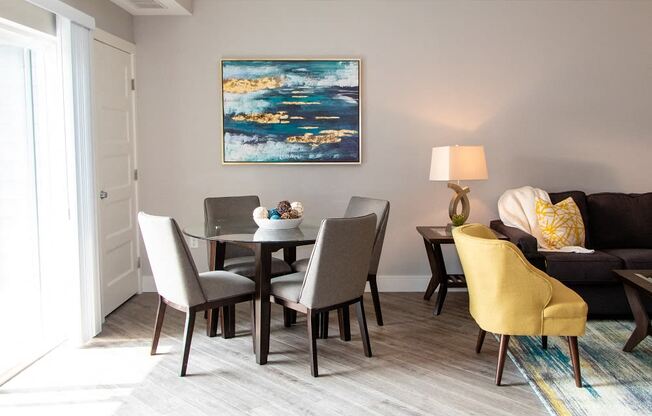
561, 225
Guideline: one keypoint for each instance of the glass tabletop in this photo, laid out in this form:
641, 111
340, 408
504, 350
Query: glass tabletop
248, 232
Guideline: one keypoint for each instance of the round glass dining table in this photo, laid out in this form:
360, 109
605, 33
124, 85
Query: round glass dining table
263, 244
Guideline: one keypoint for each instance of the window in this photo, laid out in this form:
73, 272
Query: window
34, 282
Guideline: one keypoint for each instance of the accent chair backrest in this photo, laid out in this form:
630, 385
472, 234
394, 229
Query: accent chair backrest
339, 264
359, 206
506, 293
174, 270
233, 209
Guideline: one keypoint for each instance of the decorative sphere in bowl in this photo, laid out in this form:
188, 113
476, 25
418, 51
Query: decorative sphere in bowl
280, 224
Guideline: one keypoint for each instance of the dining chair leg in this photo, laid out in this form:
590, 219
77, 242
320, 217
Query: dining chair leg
323, 324
227, 321
287, 317
373, 286
231, 321
253, 325
187, 339
575, 359
160, 313
502, 353
544, 342
312, 324
211, 323
344, 321
478, 344
362, 322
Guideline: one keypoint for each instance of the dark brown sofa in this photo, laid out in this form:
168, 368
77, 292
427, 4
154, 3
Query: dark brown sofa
619, 229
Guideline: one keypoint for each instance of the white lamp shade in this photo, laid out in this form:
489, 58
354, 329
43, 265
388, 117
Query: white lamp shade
458, 163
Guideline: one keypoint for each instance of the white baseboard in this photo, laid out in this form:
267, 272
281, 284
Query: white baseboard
386, 283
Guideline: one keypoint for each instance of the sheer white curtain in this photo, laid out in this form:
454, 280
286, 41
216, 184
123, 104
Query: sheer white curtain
89, 296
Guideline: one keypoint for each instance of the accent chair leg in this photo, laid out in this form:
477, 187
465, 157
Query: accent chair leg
344, 321
544, 342
211, 324
187, 340
502, 353
312, 324
158, 325
478, 344
575, 359
373, 286
362, 322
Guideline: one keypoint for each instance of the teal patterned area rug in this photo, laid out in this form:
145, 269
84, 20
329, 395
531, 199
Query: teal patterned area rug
614, 382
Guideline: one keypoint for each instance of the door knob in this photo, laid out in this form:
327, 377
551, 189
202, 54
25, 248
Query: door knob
103, 195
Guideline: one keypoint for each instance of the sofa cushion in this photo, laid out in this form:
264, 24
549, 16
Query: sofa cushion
580, 200
582, 268
634, 258
620, 220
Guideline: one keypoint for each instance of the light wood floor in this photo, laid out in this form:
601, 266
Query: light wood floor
421, 365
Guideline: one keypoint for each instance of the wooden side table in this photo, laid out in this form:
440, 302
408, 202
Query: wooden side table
433, 238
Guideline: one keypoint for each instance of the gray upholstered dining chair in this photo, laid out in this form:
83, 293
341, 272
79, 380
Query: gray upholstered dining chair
178, 283
335, 277
238, 210
361, 206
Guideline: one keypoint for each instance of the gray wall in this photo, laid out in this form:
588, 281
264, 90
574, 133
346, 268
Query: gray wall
560, 93
108, 16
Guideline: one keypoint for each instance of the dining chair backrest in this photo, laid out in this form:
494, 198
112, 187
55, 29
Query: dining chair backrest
236, 210
359, 206
338, 267
174, 270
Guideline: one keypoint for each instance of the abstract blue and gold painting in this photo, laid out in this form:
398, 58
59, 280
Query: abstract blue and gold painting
291, 111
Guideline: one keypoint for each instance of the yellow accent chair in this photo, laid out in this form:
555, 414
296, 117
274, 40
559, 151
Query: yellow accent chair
510, 297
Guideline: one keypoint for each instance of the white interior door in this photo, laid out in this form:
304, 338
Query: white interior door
116, 175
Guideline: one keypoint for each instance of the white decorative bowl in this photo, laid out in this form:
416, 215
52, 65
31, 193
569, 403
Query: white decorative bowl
268, 224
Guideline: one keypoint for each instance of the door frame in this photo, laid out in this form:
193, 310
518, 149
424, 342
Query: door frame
130, 48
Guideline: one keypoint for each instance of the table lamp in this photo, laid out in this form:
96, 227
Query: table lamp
458, 163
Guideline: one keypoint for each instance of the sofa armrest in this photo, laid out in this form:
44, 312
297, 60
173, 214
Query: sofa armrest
524, 241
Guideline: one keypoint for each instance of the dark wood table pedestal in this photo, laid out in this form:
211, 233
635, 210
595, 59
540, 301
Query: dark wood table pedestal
263, 273
635, 287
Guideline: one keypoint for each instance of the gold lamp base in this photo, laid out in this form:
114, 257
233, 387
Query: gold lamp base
459, 197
